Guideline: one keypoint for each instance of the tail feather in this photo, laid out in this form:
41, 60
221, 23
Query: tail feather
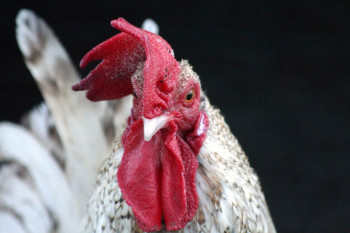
30, 173
78, 121
21, 206
151, 26
13, 223
40, 123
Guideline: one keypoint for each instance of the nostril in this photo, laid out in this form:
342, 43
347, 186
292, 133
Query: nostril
157, 110
176, 114
154, 110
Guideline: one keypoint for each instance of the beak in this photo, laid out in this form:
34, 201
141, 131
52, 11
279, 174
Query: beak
151, 126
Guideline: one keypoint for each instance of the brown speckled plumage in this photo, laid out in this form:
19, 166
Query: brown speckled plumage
230, 196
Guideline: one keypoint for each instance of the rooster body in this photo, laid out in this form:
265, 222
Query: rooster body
230, 197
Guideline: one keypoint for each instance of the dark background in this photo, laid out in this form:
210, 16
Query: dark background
279, 71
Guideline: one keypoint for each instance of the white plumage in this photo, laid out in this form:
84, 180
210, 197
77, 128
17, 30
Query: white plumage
34, 188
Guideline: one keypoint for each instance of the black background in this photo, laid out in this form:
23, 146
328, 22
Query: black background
278, 70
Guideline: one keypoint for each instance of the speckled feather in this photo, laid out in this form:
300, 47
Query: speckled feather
230, 196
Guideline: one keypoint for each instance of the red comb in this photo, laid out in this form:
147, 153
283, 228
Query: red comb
111, 78
120, 56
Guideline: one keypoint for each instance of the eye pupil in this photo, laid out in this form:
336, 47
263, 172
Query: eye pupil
189, 96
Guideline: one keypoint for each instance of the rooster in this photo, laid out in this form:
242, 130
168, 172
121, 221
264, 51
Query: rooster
177, 166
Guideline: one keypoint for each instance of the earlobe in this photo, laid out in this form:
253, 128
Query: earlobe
197, 137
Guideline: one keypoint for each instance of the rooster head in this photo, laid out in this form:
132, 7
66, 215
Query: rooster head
165, 130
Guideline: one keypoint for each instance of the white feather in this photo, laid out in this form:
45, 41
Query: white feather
13, 224
48, 180
20, 199
77, 120
151, 26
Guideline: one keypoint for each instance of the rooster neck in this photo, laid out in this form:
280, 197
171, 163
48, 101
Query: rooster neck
230, 196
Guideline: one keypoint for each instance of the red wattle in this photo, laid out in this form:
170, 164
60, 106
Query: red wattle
157, 178
178, 220
139, 178
173, 181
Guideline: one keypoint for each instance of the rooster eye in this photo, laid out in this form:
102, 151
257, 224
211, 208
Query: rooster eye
190, 96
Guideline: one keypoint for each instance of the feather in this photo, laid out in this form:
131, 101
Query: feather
150, 25
39, 177
40, 123
77, 121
